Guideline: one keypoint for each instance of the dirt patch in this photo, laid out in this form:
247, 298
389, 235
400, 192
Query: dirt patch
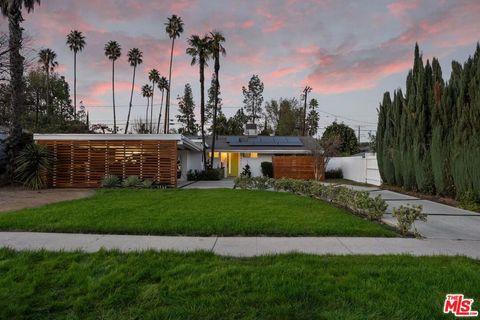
16, 198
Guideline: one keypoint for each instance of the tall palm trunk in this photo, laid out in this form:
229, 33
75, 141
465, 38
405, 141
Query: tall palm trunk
113, 97
202, 112
146, 113
37, 103
47, 98
131, 98
160, 113
167, 104
214, 133
151, 107
75, 85
17, 84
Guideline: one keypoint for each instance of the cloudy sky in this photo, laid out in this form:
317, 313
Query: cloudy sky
349, 52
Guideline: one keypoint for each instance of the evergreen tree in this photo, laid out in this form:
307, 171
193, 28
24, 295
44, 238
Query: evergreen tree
209, 107
388, 141
253, 98
346, 135
186, 108
431, 137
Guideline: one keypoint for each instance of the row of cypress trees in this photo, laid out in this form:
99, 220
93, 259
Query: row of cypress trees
428, 139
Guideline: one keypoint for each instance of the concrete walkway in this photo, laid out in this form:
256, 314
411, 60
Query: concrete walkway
240, 246
224, 183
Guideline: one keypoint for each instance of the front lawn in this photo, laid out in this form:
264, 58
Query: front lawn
167, 285
194, 212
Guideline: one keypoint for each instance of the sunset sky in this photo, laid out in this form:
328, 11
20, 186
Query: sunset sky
349, 52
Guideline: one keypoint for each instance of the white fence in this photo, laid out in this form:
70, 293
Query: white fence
360, 169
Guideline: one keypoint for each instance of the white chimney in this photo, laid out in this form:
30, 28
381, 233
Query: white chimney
251, 130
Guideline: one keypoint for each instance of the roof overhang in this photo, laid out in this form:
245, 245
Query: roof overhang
266, 151
182, 142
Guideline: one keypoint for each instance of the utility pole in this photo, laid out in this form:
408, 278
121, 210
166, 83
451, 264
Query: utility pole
306, 91
358, 134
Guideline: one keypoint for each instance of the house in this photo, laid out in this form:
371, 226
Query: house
233, 153
82, 160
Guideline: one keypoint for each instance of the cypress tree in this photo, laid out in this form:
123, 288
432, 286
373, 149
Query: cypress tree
380, 138
429, 139
388, 141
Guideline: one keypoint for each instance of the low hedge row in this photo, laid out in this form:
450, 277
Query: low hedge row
357, 201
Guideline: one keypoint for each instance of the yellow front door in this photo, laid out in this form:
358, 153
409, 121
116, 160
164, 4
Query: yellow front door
233, 160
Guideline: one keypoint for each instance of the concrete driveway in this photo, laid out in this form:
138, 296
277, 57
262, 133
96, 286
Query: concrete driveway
443, 222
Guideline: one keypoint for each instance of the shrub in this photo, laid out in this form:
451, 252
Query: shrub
334, 174
246, 172
469, 201
147, 183
206, 175
110, 181
267, 169
132, 182
358, 202
406, 217
32, 166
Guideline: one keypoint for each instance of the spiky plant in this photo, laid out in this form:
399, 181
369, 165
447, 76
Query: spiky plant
33, 165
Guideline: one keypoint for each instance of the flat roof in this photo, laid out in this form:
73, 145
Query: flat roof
181, 140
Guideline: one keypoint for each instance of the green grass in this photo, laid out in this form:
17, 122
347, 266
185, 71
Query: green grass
194, 212
200, 285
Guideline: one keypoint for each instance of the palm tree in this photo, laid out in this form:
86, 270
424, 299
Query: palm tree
113, 51
216, 39
153, 76
47, 57
134, 58
162, 86
200, 51
12, 10
76, 43
147, 92
174, 27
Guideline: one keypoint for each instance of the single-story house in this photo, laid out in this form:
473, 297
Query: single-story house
234, 152
82, 160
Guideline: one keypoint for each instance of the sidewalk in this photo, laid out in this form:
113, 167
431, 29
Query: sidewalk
240, 246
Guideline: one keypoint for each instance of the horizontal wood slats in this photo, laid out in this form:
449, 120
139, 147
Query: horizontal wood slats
295, 167
83, 163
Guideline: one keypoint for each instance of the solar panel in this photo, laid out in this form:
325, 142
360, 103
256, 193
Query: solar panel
264, 141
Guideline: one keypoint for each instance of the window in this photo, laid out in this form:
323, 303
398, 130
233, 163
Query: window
250, 155
215, 154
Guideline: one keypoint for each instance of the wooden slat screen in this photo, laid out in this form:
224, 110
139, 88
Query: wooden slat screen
295, 167
83, 163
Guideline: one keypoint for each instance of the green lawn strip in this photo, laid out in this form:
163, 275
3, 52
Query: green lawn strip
194, 212
200, 285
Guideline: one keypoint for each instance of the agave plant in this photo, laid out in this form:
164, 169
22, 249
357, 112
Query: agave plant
33, 165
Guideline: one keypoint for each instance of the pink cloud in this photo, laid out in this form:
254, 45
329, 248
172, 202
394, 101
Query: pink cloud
400, 7
272, 22
102, 88
247, 24
282, 72
354, 79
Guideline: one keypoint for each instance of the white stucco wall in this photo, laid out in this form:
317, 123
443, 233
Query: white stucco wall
360, 169
190, 160
255, 163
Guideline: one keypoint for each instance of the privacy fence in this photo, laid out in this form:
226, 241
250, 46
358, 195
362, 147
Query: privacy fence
83, 163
